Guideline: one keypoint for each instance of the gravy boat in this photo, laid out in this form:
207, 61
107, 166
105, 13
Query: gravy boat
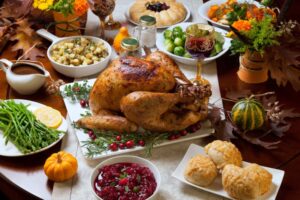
25, 84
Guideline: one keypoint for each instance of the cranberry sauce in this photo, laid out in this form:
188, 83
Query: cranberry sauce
157, 6
124, 181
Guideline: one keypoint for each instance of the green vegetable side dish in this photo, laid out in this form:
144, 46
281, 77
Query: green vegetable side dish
20, 126
174, 42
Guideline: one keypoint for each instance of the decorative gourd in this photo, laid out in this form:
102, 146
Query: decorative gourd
60, 166
123, 33
248, 114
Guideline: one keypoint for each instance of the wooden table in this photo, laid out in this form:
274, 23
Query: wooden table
25, 177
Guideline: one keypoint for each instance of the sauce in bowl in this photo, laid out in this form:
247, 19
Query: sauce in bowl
124, 181
23, 69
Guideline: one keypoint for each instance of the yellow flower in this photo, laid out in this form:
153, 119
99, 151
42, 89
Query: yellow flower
42, 4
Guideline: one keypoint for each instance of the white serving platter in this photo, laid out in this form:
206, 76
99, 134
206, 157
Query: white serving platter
75, 110
190, 61
127, 15
203, 10
216, 186
10, 150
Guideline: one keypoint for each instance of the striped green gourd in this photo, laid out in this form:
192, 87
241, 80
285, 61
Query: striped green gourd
248, 114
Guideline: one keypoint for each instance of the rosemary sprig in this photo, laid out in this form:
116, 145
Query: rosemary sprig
104, 138
77, 91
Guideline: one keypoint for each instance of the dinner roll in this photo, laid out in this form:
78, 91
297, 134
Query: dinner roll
246, 183
223, 153
201, 170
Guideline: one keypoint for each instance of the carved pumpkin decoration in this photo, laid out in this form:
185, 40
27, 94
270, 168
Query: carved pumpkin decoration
60, 166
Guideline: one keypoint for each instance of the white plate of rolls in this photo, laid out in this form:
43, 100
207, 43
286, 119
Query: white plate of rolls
218, 168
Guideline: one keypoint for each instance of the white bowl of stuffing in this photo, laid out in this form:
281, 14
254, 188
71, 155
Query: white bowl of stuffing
77, 56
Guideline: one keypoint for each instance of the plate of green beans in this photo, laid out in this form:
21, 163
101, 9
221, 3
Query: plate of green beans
21, 134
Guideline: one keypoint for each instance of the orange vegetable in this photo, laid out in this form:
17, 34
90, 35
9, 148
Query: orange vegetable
60, 166
212, 11
123, 33
242, 25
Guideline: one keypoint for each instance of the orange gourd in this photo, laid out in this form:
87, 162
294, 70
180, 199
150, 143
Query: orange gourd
60, 166
123, 33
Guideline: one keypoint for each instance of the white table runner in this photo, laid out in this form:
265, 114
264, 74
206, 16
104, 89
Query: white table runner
165, 158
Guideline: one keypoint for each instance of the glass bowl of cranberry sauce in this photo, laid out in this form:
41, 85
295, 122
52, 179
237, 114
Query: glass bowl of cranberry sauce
125, 177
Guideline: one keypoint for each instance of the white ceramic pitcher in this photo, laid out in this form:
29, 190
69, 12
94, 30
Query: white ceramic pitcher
24, 84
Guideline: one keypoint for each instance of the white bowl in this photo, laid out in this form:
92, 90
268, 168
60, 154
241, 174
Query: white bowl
128, 159
190, 61
203, 10
75, 71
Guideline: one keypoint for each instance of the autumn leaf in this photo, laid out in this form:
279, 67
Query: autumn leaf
16, 8
27, 41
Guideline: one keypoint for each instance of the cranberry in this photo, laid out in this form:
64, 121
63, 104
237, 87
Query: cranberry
172, 137
142, 143
83, 103
93, 137
90, 132
123, 181
194, 129
122, 146
177, 136
118, 137
129, 144
113, 146
183, 132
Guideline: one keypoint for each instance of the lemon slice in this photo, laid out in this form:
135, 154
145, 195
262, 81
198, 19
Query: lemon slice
48, 116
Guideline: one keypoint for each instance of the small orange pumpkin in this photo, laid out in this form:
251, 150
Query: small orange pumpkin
60, 166
123, 33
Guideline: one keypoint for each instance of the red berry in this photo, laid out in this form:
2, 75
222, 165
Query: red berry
172, 137
177, 136
93, 137
183, 132
129, 144
83, 103
123, 181
90, 132
113, 146
122, 146
118, 137
142, 143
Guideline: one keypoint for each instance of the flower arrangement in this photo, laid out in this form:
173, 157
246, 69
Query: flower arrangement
66, 7
254, 35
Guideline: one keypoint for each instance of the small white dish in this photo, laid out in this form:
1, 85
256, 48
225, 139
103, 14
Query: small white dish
188, 14
216, 186
10, 150
127, 159
190, 61
204, 8
77, 71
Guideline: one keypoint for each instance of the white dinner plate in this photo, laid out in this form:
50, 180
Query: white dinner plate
204, 8
75, 111
188, 14
10, 150
216, 186
190, 61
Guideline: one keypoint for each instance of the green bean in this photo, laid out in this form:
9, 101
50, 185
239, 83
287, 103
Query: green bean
21, 127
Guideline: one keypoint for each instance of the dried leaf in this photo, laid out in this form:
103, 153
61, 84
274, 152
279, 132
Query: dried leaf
237, 94
16, 8
27, 41
278, 129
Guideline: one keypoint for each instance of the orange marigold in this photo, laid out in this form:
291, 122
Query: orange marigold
242, 25
80, 7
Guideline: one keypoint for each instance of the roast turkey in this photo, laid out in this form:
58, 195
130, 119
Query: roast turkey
150, 93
